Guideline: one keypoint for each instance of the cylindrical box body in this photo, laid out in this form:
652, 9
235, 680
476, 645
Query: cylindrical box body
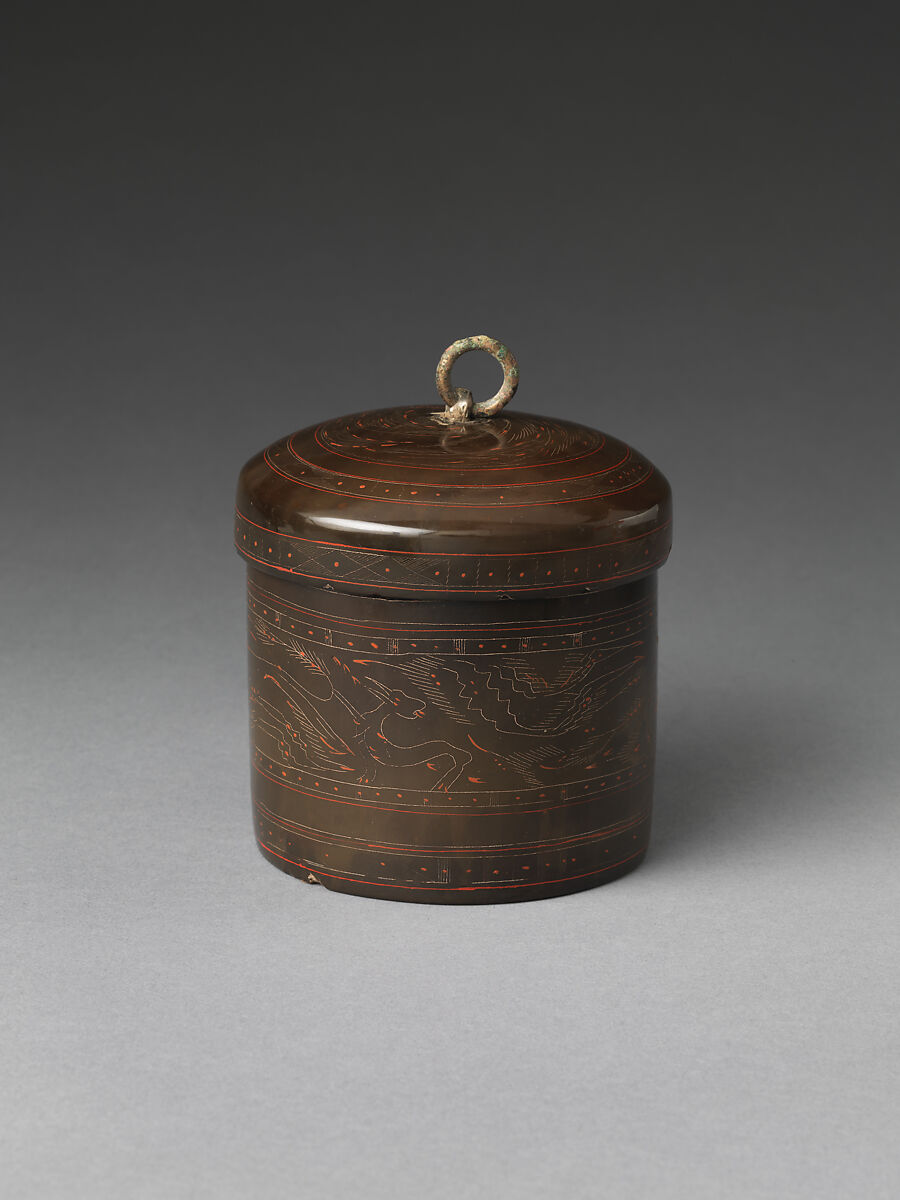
447, 752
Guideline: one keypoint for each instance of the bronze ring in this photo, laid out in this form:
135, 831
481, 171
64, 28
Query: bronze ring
459, 400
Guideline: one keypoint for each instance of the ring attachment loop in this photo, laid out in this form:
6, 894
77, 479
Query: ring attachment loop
459, 404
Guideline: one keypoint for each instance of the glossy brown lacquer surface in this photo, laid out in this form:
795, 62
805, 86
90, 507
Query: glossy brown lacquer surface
513, 505
452, 636
446, 752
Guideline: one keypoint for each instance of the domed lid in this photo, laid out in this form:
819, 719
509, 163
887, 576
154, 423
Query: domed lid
469, 502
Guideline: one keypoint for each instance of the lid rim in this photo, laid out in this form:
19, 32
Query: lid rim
428, 574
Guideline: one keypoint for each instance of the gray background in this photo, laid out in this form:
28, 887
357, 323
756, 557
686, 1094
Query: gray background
222, 226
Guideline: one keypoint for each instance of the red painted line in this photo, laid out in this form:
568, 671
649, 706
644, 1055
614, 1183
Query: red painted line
296, 537
426, 646
582, 839
439, 502
612, 651
453, 465
447, 811
406, 483
476, 887
491, 632
439, 590
347, 842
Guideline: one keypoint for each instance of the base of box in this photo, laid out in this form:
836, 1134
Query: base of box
489, 893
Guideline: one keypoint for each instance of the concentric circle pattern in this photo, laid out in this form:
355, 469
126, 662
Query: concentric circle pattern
394, 502
413, 441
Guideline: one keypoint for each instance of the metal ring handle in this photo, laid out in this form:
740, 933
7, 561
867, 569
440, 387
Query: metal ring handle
459, 400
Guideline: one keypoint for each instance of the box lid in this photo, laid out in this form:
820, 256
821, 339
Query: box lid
469, 502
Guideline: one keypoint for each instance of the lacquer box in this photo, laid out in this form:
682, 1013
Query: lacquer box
452, 644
